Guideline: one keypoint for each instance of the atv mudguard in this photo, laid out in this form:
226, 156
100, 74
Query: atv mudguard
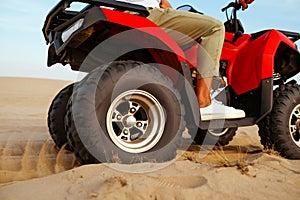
251, 58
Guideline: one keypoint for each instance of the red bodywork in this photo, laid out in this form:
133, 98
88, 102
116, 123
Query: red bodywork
249, 60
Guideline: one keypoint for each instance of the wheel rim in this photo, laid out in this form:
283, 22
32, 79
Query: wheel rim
135, 121
218, 132
294, 125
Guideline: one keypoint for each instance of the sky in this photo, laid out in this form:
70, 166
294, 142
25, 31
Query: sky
24, 52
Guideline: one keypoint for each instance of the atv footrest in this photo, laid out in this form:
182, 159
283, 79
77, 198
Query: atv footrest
229, 123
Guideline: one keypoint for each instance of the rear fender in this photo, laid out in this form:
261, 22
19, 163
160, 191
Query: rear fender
157, 38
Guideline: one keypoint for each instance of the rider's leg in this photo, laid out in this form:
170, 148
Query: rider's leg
203, 91
185, 27
209, 109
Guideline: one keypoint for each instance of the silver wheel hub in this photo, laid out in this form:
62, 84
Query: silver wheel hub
294, 125
135, 121
129, 121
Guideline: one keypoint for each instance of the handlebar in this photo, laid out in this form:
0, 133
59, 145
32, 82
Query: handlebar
230, 5
237, 6
233, 20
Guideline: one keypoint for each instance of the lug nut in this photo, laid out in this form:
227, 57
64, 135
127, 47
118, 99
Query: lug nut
132, 110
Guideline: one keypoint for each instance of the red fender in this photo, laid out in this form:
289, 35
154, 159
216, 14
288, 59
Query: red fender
144, 25
252, 60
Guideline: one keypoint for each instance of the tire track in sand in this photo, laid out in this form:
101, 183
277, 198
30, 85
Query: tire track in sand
31, 157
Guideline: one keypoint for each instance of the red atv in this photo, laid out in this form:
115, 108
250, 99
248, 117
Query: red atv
138, 96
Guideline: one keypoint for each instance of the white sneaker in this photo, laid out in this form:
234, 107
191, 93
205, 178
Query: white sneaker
217, 110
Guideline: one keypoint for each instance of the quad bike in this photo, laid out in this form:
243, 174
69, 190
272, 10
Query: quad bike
138, 96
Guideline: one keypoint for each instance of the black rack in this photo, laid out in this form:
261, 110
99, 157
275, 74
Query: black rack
58, 15
294, 36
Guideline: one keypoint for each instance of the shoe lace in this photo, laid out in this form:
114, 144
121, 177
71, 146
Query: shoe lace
218, 102
214, 93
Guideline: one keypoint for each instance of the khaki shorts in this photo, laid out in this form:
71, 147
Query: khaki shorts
185, 27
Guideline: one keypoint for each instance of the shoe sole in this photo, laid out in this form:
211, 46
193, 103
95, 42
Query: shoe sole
216, 116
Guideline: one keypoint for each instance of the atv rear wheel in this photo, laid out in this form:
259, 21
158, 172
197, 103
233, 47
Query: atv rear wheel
129, 112
218, 137
56, 116
284, 122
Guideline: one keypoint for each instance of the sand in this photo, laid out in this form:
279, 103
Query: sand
32, 167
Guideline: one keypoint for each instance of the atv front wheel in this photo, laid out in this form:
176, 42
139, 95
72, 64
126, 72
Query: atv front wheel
129, 112
285, 121
56, 116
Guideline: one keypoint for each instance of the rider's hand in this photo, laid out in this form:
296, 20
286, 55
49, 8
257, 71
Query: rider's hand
245, 3
165, 4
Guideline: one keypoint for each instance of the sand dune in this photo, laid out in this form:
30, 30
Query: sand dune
31, 167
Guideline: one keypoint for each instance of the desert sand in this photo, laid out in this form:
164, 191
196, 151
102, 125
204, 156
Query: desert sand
32, 167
